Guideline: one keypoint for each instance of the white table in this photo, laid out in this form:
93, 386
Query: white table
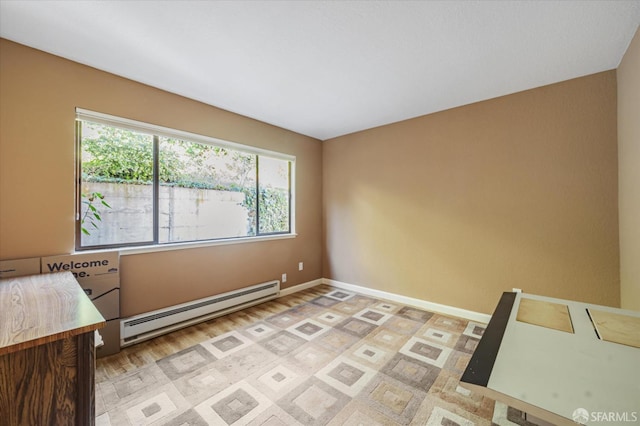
549, 373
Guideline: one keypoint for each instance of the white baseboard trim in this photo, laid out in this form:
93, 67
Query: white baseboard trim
296, 288
418, 303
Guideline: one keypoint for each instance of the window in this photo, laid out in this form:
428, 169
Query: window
141, 184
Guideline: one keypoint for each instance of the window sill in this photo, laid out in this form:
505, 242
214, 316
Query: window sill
126, 251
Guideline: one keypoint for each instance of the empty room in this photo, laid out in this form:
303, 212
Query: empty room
319, 212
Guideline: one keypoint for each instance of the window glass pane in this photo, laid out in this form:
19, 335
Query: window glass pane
206, 192
273, 176
116, 186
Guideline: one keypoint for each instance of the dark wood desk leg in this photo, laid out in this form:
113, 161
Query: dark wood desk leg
86, 408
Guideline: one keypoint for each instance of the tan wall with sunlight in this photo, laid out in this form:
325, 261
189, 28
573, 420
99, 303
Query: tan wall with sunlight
629, 174
458, 206
37, 111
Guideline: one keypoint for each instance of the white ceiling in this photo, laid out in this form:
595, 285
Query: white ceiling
328, 68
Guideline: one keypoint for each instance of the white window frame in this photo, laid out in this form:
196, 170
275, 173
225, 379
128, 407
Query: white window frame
139, 126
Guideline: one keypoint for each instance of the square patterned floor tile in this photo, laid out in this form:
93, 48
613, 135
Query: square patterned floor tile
226, 344
411, 371
115, 393
415, 314
286, 318
466, 344
425, 351
474, 330
156, 404
202, 383
356, 327
340, 295
282, 343
447, 388
259, 331
356, 413
189, 417
186, 361
370, 355
439, 336
346, 375
238, 405
246, 362
314, 403
440, 416
373, 316
336, 341
308, 329
453, 325
325, 301
392, 398
310, 357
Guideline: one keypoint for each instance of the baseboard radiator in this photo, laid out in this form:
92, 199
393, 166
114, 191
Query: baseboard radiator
151, 324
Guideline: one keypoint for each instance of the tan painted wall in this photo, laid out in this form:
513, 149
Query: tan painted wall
38, 96
457, 207
454, 207
629, 174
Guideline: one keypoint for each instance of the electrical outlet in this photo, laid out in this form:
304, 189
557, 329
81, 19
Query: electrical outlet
300, 266
284, 278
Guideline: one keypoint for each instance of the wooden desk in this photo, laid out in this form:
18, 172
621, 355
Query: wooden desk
550, 373
47, 353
